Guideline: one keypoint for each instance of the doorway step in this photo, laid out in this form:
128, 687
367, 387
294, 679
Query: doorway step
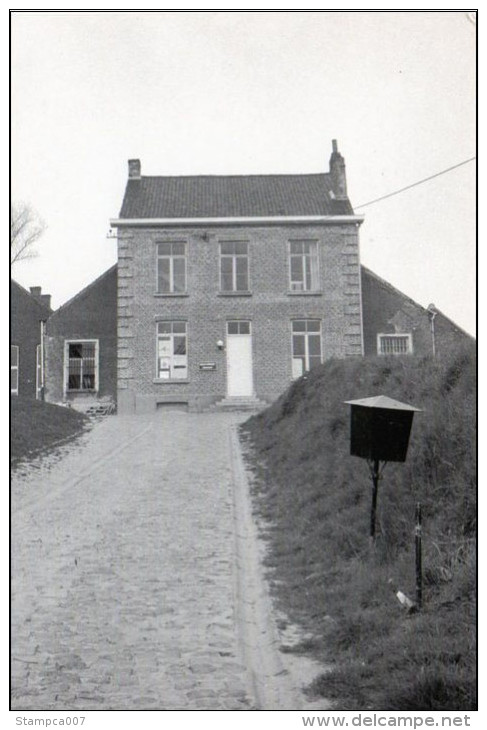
239, 403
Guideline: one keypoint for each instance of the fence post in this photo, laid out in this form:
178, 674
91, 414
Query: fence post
375, 486
419, 567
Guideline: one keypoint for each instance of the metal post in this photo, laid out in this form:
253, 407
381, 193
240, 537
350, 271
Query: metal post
419, 568
42, 388
375, 487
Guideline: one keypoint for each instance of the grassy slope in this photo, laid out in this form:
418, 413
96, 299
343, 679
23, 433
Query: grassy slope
315, 501
35, 425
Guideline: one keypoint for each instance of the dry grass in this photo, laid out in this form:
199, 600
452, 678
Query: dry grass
315, 499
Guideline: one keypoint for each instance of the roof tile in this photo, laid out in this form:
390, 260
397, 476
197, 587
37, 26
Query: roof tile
231, 196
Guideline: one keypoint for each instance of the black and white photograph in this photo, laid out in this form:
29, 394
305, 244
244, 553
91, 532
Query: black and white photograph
243, 367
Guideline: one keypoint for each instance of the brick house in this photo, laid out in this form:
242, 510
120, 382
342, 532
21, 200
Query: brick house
231, 286
28, 312
81, 345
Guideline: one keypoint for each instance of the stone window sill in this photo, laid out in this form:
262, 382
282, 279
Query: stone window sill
317, 293
234, 294
171, 294
168, 381
77, 391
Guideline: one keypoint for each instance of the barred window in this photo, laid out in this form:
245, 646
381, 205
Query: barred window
82, 365
392, 344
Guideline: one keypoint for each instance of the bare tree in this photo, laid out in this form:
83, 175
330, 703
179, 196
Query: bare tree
26, 227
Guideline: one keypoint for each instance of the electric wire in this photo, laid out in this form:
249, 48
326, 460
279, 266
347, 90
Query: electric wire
413, 185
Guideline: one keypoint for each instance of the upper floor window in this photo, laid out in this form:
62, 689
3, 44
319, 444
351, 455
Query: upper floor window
172, 350
234, 266
171, 267
81, 363
14, 369
303, 266
394, 344
306, 345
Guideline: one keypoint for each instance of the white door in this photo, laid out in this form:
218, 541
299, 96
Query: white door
239, 359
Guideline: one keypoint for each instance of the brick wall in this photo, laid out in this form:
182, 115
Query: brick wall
271, 308
91, 315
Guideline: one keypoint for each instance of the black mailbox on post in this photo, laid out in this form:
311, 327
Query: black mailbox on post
379, 431
380, 428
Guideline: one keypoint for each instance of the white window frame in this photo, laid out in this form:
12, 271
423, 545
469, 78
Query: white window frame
176, 367
395, 336
171, 257
38, 372
297, 371
15, 368
80, 341
310, 262
234, 257
247, 324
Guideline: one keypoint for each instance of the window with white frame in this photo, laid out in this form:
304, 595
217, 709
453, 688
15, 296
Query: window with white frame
171, 267
38, 372
81, 362
394, 344
14, 369
238, 327
306, 345
303, 266
172, 350
234, 266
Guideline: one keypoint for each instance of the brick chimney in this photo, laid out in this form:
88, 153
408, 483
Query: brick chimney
134, 169
337, 173
44, 299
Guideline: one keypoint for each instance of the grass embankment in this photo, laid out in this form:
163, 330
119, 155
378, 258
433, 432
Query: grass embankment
35, 426
315, 502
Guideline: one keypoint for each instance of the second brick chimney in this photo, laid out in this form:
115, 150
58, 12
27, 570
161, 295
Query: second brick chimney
337, 173
44, 299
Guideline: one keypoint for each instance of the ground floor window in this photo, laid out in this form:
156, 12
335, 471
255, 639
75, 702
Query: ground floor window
395, 344
38, 372
14, 369
172, 350
81, 361
306, 345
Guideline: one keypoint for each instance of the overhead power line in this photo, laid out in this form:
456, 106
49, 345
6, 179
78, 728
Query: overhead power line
413, 185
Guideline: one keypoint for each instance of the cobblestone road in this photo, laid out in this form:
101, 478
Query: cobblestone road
123, 570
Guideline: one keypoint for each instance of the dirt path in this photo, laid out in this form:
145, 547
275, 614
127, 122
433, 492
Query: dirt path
132, 580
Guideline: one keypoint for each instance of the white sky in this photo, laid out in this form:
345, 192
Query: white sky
218, 92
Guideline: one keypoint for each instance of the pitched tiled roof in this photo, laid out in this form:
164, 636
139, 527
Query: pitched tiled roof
231, 196
19, 292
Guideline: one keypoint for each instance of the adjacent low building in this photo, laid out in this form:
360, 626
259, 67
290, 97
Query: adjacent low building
28, 313
81, 346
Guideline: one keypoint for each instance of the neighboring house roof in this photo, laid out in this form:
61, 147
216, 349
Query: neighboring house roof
112, 271
407, 304
231, 196
42, 310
